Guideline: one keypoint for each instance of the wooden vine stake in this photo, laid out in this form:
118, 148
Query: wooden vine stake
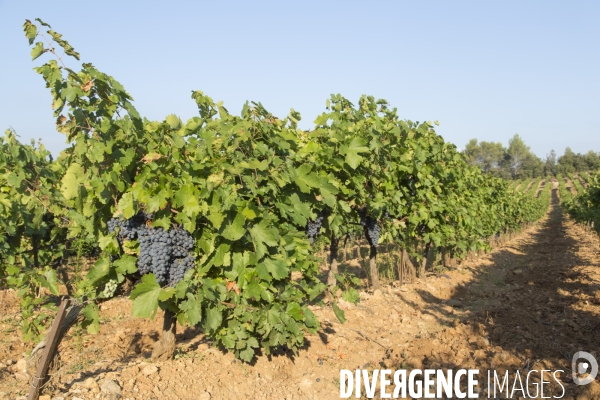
49, 350
401, 267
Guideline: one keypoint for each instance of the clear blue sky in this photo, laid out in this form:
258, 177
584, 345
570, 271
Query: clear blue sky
485, 70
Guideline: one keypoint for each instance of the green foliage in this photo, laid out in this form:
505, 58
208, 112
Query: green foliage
31, 230
571, 162
585, 206
564, 193
585, 176
348, 284
245, 187
513, 162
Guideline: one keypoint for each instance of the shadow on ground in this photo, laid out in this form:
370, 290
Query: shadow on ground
532, 309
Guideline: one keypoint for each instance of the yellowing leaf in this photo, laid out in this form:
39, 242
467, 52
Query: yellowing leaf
86, 87
151, 157
216, 178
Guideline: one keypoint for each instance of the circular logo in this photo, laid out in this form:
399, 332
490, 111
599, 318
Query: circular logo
578, 369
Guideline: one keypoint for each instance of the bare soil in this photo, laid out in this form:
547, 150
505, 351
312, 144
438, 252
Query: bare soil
569, 185
529, 305
583, 182
529, 185
541, 187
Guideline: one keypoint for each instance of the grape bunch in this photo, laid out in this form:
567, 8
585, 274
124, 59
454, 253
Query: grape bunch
178, 268
109, 289
159, 246
128, 228
372, 231
182, 242
314, 227
165, 253
362, 213
144, 262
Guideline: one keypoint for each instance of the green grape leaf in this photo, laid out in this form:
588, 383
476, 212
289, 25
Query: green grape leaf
234, 227
145, 297
277, 268
92, 318
213, 319
295, 311
73, 179
37, 50
51, 281
262, 233
339, 313
99, 271
127, 205
126, 265
30, 31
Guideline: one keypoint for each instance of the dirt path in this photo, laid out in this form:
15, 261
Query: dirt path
529, 185
528, 305
583, 182
540, 187
569, 185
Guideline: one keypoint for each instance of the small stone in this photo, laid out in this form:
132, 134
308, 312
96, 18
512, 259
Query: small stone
21, 376
149, 370
479, 354
344, 305
90, 383
482, 342
517, 271
112, 389
377, 293
205, 396
9, 362
21, 365
364, 295
44, 397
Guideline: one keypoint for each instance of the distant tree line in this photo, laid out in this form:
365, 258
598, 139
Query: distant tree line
517, 161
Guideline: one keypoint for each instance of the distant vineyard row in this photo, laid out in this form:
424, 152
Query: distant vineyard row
584, 204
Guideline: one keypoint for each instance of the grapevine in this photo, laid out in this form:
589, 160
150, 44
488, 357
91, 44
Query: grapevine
218, 212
